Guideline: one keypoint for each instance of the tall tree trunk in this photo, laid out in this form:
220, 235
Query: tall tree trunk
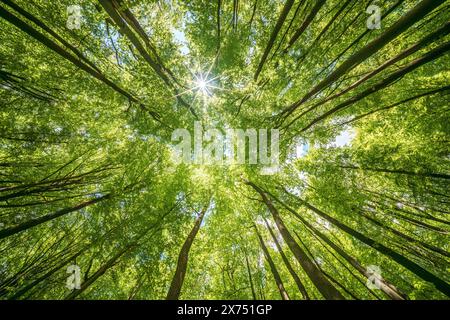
317, 277
100, 271
273, 268
42, 25
250, 279
411, 240
112, 8
34, 222
332, 20
413, 210
403, 24
400, 171
47, 275
415, 222
389, 80
219, 6
422, 273
134, 23
306, 23
180, 272
287, 7
362, 35
59, 50
328, 275
115, 259
441, 32
388, 288
294, 275
30, 285
432, 92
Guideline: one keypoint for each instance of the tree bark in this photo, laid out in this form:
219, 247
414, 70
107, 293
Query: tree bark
42, 25
76, 61
287, 7
294, 275
317, 277
441, 32
429, 56
422, 273
101, 271
273, 268
306, 23
110, 7
431, 92
406, 237
404, 23
400, 171
34, 222
250, 278
115, 259
388, 288
180, 272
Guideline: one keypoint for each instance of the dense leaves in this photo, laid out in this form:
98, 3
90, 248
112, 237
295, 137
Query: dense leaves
88, 176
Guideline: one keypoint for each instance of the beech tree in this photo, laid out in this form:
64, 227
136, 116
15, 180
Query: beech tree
96, 204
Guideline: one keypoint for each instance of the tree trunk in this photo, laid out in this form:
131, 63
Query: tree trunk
34, 283
411, 240
441, 32
180, 272
115, 259
110, 7
422, 273
400, 171
317, 277
287, 7
250, 279
294, 275
42, 25
101, 271
306, 23
389, 289
273, 268
362, 35
404, 23
56, 48
389, 80
34, 222
432, 92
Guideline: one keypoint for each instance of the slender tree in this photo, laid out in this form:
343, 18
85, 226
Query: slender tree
288, 265
180, 272
273, 268
316, 276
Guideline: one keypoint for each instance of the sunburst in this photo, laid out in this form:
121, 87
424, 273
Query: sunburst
202, 84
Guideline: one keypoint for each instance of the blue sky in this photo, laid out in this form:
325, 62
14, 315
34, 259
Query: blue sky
180, 37
344, 138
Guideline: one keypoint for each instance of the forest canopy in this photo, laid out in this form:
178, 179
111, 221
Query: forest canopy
96, 203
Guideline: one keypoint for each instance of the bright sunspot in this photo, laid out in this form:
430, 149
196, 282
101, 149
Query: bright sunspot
202, 85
